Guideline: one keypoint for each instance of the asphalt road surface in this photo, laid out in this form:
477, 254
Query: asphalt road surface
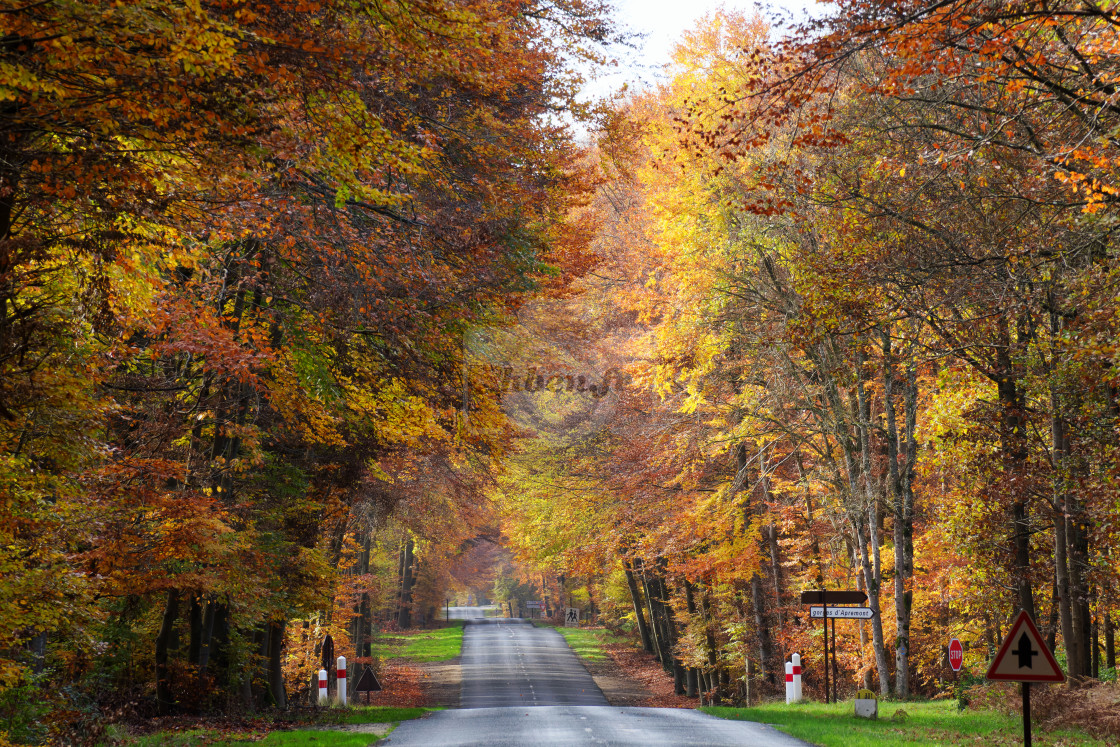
466, 613
511, 663
524, 686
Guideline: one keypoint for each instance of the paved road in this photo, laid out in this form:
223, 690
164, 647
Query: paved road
509, 662
524, 686
466, 613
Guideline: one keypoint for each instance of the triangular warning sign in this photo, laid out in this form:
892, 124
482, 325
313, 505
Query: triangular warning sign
1023, 657
367, 682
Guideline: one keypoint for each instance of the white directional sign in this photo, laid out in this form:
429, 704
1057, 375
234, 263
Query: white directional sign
1023, 657
843, 613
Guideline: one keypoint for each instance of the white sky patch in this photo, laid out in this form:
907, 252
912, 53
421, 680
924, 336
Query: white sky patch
663, 22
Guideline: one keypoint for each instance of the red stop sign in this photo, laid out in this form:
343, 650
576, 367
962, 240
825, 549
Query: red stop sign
956, 654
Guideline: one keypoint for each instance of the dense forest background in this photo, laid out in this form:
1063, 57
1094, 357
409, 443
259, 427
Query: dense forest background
314, 314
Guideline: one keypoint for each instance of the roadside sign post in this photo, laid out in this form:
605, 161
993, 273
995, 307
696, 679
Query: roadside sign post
367, 683
571, 618
1024, 658
956, 654
824, 630
826, 613
842, 613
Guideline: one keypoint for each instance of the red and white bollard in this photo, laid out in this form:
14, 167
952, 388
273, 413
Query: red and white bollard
342, 680
797, 696
789, 682
322, 687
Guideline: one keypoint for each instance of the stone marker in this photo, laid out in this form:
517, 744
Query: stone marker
867, 705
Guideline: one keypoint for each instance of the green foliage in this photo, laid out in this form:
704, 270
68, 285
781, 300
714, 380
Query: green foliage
23, 710
239, 248
507, 588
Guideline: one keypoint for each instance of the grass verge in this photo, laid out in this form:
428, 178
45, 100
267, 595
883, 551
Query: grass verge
374, 714
320, 737
588, 643
311, 739
438, 644
930, 723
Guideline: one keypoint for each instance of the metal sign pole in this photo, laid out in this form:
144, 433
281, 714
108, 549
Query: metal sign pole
835, 674
824, 629
1026, 714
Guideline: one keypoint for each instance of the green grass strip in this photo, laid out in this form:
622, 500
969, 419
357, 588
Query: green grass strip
438, 644
305, 738
322, 738
374, 714
928, 723
588, 643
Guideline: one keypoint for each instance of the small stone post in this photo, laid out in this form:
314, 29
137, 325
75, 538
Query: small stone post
342, 680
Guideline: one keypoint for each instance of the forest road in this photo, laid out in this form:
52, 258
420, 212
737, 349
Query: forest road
524, 686
467, 613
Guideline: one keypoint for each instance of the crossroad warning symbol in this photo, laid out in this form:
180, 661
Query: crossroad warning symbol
1023, 657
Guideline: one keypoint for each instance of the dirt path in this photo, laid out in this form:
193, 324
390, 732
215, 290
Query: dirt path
634, 678
441, 682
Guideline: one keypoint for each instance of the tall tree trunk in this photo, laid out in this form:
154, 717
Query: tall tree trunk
275, 664
765, 647
194, 648
1014, 451
360, 635
639, 614
691, 688
1062, 459
1095, 640
1070, 640
404, 615
654, 628
661, 621
164, 700
901, 484
872, 582
1109, 640
776, 573
218, 656
670, 627
1080, 608
1051, 632
815, 542
770, 536
860, 586
712, 647
863, 487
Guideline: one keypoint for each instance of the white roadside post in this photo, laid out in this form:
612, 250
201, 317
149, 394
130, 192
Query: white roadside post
797, 696
342, 680
789, 682
322, 687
